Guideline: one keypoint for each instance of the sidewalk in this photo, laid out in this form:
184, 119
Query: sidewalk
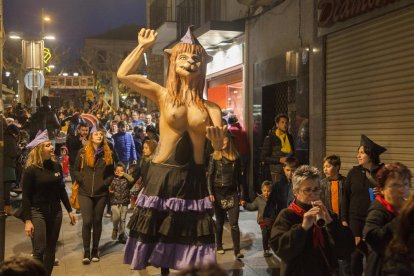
70, 251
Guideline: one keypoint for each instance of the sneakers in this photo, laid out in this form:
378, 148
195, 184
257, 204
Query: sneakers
86, 258
114, 233
107, 215
94, 255
239, 255
267, 254
220, 251
56, 262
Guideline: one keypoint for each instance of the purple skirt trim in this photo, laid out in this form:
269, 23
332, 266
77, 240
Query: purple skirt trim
175, 256
174, 204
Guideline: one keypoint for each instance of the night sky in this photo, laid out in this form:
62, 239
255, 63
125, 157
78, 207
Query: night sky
72, 20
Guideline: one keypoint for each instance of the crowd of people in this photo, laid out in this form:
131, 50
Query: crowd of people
195, 169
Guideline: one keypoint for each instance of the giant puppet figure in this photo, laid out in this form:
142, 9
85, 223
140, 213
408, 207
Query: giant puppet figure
172, 225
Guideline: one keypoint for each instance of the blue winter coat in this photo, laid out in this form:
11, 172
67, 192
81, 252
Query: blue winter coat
124, 146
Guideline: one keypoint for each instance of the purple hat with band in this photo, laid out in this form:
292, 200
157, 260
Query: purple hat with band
41, 137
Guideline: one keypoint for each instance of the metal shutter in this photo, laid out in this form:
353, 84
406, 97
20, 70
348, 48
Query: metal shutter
370, 88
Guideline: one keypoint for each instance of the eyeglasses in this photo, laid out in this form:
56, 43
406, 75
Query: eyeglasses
311, 190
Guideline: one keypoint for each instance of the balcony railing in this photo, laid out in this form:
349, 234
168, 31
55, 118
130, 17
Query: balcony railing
162, 11
188, 13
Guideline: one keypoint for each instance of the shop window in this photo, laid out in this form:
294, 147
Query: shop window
229, 97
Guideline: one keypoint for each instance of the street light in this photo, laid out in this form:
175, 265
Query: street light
44, 18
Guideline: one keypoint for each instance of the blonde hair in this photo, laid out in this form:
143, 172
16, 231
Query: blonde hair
173, 82
35, 156
90, 152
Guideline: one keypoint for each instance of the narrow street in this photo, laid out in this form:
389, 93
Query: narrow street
70, 252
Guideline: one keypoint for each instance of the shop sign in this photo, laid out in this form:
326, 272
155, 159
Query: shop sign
334, 11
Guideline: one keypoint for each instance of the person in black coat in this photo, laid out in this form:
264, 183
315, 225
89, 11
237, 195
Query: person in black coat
282, 191
74, 143
306, 236
399, 256
43, 190
277, 146
11, 152
358, 192
226, 191
393, 181
92, 170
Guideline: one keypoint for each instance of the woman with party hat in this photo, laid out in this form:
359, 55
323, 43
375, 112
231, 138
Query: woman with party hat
358, 193
172, 225
43, 190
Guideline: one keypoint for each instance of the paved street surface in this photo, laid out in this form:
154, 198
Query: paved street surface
70, 251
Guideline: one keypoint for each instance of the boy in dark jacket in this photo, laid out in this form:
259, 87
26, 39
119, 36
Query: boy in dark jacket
119, 189
266, 214
282, 191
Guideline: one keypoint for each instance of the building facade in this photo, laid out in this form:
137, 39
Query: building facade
339, 69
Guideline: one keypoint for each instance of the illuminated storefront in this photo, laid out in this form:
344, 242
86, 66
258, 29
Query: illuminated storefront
225, 79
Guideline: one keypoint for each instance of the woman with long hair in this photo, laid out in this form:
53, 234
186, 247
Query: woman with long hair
92, 170
358, 193
43, 190
393, 181
172, 225
399, 256
226, 191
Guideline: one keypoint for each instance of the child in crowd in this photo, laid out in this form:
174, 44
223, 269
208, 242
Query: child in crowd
282, 192
119, 190
64, 160
332, 186
266, 214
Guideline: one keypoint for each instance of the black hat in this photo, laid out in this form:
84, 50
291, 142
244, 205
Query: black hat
375, 148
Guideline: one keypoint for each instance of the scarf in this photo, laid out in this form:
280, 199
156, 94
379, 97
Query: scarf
99, 153
300, 208
386, 204
286, 147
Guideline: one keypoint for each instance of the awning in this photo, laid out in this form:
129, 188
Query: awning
167, 33
213, 33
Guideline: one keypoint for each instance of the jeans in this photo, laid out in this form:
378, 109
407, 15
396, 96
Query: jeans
119, 213
234, 225
92, 213
47, 221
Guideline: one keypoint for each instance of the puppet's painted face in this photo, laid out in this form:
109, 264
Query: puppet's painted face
188, 65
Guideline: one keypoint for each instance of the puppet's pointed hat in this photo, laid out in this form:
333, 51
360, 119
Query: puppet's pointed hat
189, 38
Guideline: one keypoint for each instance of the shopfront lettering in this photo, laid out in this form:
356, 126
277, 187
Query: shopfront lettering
333, 11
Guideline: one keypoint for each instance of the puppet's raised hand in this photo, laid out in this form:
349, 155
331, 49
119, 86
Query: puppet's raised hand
147, 37
216, 135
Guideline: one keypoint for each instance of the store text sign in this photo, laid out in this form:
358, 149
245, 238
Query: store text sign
333, 11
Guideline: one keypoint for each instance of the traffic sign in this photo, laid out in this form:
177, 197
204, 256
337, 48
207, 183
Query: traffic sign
34, 79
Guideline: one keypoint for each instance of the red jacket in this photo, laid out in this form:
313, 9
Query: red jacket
240, 138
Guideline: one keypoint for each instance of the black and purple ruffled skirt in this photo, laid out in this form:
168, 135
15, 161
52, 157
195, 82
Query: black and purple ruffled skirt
172, 224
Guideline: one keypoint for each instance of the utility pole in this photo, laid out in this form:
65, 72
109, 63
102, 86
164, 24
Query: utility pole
2, 213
